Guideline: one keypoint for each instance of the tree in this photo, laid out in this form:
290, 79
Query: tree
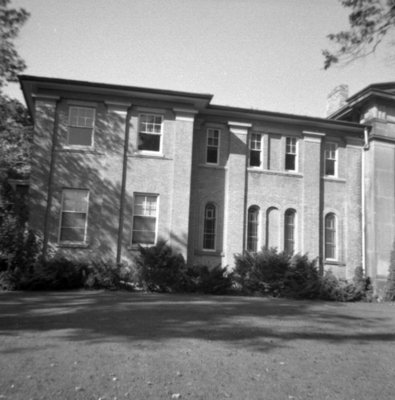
11, 21
371, 21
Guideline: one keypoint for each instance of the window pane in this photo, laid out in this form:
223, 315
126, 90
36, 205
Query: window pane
330, 167
330, 236
289, 232
75, 200
72, 234
73, 220
290, 162
209, 227
212, 155
149, 142
255, 158
80, 136
252, 230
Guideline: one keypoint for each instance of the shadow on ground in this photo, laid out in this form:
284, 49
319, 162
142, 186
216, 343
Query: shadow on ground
258, 323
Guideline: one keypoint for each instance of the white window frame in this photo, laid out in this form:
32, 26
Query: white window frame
253, 147
135, 195
215, 226
331, 149
291, 149
68, 211
160, 134
217, 147
336, 238
71, 124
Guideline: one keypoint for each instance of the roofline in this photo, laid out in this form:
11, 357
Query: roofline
200, 100
100, 85
275, 114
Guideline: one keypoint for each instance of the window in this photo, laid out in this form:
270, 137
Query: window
81, 126
209, 227
145, 214
330, 158
255, 150
212, 146
330, 236
290, 154
289, 231
150, 132
252, 229
74, 216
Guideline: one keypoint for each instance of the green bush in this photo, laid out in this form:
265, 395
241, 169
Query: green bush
262, 272
302, 279
335, 289
100, 274
55, 274
202, 279
390, 286
160, 269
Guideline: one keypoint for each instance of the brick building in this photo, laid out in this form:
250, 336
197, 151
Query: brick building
116, 166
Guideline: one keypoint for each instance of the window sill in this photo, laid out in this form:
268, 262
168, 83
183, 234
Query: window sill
269, 172
158, 156
213, 253
330, 178
84, 150
212, 166
73, 245
329, 261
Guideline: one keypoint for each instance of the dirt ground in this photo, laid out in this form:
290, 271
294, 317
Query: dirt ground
120, 345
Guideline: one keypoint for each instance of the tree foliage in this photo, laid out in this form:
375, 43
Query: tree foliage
16, 133
11, 21
370, 22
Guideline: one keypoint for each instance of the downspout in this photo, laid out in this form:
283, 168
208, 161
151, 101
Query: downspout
363, 189
123, 189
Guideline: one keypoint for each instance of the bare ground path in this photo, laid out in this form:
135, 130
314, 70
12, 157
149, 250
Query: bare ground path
91, 345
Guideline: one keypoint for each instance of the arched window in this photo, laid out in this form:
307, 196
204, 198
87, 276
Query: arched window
273, 227
209, 227
330, 236
289, 231
252, 228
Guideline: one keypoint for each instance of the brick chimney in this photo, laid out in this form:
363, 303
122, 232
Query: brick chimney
336, 99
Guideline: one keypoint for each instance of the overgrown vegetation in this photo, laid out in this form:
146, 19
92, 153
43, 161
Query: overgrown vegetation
269, 272
390, 286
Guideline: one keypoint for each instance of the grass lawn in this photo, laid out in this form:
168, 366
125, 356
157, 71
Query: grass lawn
92, 345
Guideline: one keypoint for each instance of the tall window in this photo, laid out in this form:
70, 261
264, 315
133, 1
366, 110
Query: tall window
74, 216
290, 154
81, 126
209, 227
145, 212
255, 150
150, 132
252, 229
330, 158
330, 236
212, 146
289, 231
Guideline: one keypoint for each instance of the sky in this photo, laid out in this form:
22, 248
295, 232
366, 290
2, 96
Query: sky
261, 54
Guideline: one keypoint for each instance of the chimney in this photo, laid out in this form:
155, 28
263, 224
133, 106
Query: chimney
336, 99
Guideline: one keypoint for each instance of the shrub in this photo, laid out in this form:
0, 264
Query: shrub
101, 274
55, 274
302, 279
335, 289
160, 269
215, 280
390, 286
262, 272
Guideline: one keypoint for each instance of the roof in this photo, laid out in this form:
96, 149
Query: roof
35, 85
385, 90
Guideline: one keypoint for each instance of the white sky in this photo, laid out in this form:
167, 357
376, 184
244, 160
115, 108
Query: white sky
263, 54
